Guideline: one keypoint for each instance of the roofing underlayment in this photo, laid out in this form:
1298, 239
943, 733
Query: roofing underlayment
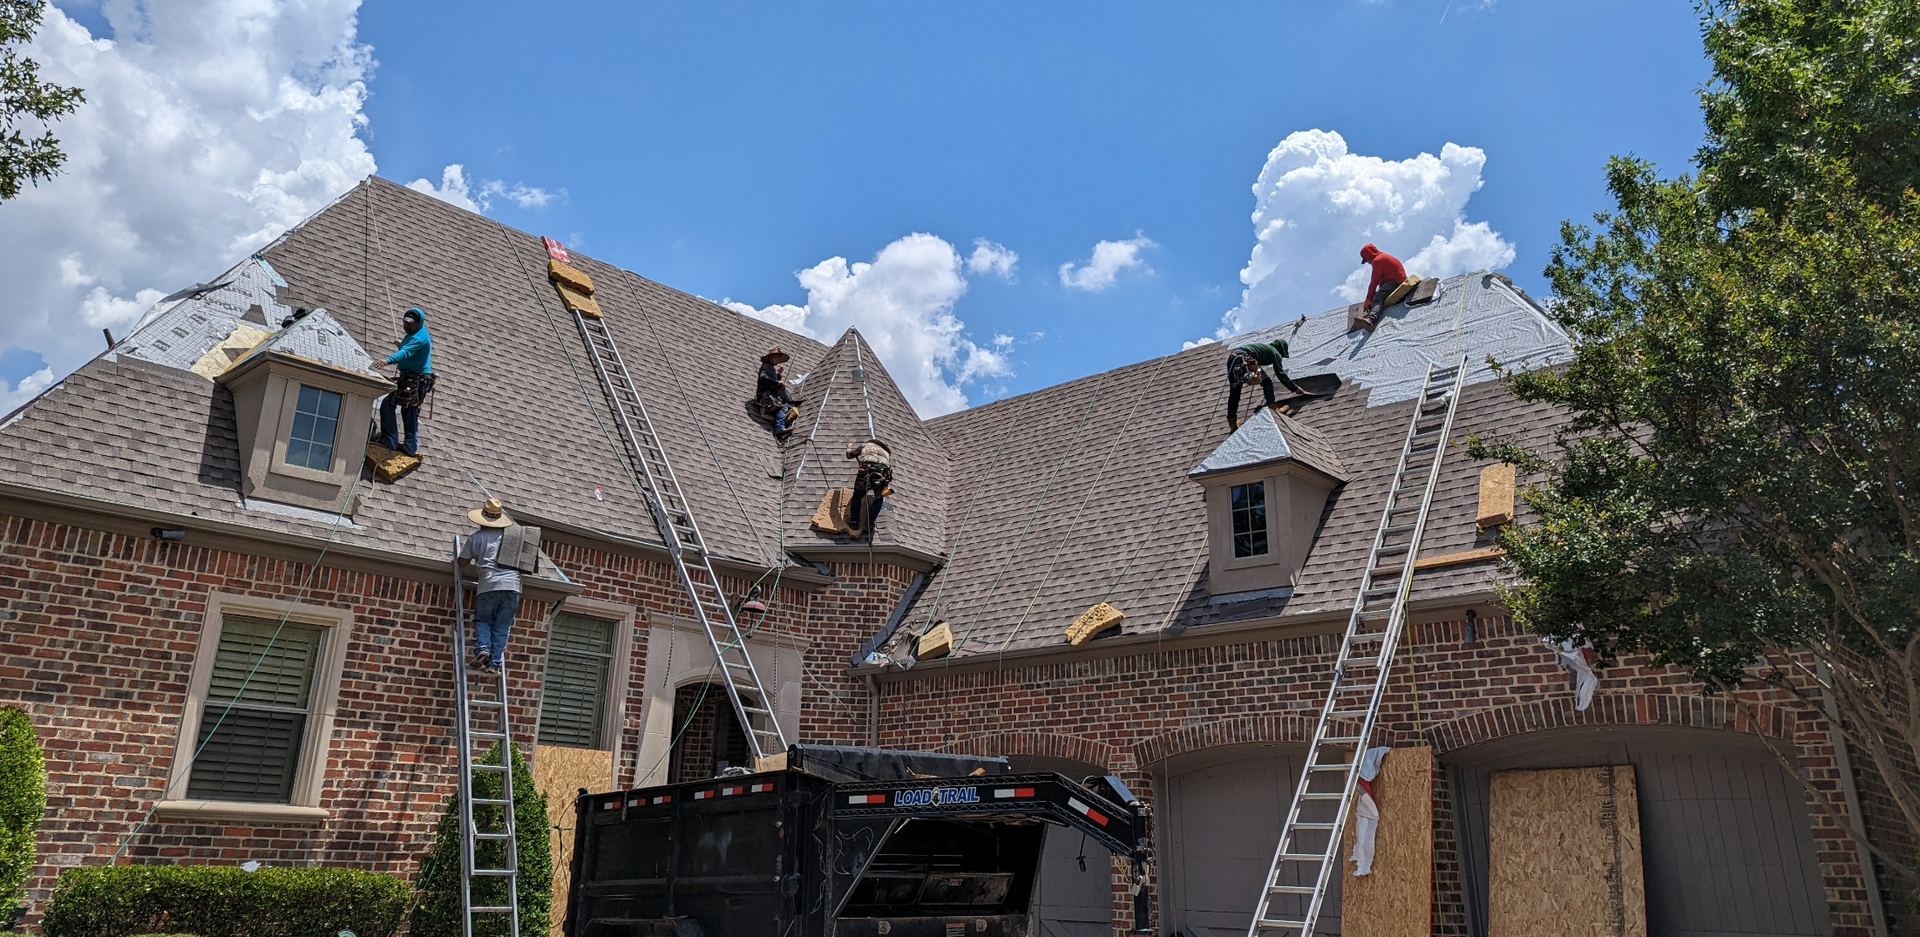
1267, 436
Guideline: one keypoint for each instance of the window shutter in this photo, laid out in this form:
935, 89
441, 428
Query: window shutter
573, 699
250, 732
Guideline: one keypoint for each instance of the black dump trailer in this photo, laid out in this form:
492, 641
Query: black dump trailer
844, 842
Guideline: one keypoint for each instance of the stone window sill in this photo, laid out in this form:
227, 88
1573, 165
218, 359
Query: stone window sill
233, 810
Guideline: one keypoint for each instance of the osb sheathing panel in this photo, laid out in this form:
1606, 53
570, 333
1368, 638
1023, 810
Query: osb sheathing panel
1564, 851
1396, 898
831, 515
560, 773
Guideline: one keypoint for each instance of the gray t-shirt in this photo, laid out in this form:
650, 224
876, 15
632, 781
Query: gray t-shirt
483, 548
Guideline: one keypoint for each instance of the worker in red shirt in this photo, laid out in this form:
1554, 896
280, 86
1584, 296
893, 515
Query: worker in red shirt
1390, 284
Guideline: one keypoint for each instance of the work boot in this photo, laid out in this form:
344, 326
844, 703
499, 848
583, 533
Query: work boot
1370, 320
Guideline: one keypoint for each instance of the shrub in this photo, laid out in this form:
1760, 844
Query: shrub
224, 901
437, 911
23, 800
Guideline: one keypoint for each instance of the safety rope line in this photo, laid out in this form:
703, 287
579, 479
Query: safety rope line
313, 571
1046, 492
953, 551
1172, 495
860, 377
1092, 488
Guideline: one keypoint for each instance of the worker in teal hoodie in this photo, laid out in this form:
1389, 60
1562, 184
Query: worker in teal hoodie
414, 359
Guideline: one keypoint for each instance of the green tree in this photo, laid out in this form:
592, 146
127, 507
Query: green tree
26, 100
23, 801
1736, 492
437, 910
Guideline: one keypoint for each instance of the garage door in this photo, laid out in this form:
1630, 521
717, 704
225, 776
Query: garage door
1070, 901
1726, 843
1220, 821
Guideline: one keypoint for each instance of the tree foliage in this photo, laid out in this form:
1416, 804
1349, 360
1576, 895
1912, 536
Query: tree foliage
1740, 479
437, 911
23, 801
26, 102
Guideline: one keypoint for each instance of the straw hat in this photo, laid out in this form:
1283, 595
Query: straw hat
776, 356
490, 514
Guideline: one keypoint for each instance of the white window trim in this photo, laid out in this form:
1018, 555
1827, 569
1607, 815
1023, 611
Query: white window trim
687, 646
613, 720
310, 773
290, 402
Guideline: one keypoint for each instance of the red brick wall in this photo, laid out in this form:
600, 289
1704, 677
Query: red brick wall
1134, 711
834, 706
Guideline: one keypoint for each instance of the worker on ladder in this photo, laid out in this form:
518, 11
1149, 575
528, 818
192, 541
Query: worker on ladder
771, 396
1244, 367
1390, 284
497, 598
874, 479
414, 360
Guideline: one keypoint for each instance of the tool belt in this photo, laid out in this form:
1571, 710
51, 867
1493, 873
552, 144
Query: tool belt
411, 388
874, 477
1243, 368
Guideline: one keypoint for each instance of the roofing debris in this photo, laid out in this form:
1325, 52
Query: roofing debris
1092, 622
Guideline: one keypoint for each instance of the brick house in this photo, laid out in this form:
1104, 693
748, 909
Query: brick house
183, 496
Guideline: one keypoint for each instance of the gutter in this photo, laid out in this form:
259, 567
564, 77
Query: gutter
432, 569
1302, 624
907, 598
802, 576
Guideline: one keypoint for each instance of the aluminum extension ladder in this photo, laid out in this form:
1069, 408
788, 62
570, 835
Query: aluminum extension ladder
682, 536
1307, 856
493, 727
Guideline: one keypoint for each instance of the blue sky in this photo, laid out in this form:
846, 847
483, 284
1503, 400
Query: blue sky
722, 147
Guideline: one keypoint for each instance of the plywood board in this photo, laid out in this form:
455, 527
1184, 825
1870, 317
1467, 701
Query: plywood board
1564, 854
1496, 495
1397, 896
1091, 622
560, 773
390, 464
576, 300
831, 516
570, 275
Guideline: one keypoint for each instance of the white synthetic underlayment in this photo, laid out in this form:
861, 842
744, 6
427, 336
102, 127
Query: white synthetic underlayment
1257, 441
1493, 319
177, 333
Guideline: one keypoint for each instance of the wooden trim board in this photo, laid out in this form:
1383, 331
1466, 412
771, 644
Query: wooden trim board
1564, 854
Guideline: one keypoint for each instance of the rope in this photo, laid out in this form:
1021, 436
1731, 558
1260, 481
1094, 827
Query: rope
1091, 489
1045, 492
674, 373
1205, 442
860, 361
953, 551
313, 571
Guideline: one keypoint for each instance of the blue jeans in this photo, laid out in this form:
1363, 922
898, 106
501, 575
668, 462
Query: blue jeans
780, 418
492, 617
389, 433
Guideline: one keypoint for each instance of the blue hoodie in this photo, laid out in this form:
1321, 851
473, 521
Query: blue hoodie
415, 354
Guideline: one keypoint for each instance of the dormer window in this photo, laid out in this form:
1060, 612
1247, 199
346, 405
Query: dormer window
1267, 486
316, 421
300, 399
1249, 506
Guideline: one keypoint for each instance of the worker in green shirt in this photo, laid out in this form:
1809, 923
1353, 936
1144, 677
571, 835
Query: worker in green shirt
1244, 367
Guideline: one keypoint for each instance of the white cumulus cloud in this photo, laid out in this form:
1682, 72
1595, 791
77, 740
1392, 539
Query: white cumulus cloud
210, 127
902, 303
23, 391
988, 257
1109, 260
1315, 204
456, 189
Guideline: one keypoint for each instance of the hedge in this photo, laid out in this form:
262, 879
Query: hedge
437, 913
23, 801
224, 901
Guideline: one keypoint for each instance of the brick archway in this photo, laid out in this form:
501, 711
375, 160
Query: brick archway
1287, 727
1775, 720
1043, 744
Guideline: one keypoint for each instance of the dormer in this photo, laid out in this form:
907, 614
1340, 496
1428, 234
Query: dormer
1266, 487
302, 400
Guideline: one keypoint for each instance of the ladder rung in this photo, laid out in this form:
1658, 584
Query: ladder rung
493, 909
1292, 889
1312, 826
495, 873
491, 801
1339, 767
485, 734
489, 767
1340, 740
484, 702
493, 836
1326, 795
1302, 857
1292, 925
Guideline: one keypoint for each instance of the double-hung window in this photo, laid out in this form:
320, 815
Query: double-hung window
316, 420
255, 718
573, 702
1248, 504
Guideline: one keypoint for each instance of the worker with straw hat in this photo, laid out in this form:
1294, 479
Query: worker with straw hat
771, 396
498, 595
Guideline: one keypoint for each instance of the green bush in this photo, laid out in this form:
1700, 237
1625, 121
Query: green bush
436, 913
224, 901
23, 801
